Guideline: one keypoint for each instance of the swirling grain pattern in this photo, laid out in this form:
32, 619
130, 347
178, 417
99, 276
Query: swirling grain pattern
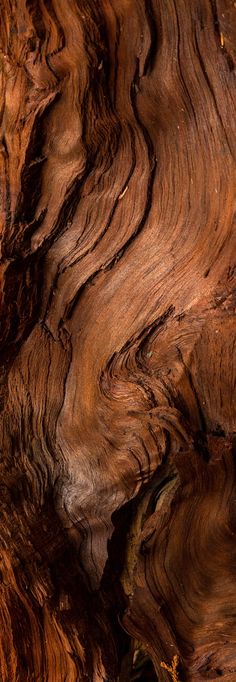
118, 370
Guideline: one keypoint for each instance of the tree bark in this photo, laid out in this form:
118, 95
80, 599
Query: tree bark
117, 381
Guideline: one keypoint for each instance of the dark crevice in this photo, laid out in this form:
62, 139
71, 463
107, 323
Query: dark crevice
4, 144
24, 222
112, 212
144, 336
216, 22
37, 19
7, 206
191, 383
213, 4
116, 62
49, 6
119, 254
142, 668
151, 56
72, 305
20, 309
160, 488
64, 220
147, 138
149, 333
50, 67
68, 208
148, 391
201, 445
97, 103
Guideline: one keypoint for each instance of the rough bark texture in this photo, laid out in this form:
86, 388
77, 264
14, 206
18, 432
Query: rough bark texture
118, 299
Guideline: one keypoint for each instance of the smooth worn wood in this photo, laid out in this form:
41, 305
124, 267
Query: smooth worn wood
117, 381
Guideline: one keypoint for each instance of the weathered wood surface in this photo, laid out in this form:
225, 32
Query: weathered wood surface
117, 472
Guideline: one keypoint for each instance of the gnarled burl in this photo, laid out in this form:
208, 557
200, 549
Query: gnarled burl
118, 301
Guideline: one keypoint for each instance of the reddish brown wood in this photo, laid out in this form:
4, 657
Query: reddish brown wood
117, 382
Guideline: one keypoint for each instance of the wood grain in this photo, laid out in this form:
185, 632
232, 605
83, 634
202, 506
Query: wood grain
117, 337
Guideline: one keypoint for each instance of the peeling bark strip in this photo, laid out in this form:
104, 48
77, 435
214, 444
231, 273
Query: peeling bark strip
117, 337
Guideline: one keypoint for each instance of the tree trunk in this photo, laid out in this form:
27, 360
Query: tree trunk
117, 476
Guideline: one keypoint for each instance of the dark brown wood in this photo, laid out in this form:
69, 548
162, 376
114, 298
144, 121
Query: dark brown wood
117, 382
